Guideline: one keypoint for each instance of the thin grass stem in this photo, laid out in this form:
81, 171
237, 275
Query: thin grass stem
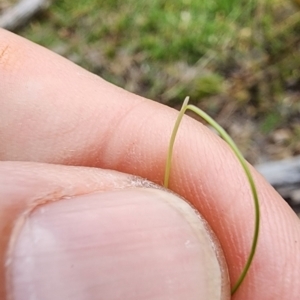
172, 141
244, 165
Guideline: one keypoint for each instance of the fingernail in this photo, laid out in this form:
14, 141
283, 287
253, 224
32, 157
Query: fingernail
138, 243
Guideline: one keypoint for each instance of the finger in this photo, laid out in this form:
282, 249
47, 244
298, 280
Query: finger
84, 233
68, 116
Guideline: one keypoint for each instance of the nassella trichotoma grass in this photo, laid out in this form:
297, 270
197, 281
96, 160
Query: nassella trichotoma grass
244, 165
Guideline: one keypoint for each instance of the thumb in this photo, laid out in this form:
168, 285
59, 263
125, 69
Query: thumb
80, 233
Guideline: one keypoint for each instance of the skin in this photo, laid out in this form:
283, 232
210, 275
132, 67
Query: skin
54, 112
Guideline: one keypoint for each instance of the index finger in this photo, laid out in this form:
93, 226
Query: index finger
54, 111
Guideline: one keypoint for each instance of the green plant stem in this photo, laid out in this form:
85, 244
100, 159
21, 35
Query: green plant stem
172, 140
244, 165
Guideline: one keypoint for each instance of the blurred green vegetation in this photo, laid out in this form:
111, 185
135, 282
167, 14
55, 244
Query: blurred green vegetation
239, 60
161, 30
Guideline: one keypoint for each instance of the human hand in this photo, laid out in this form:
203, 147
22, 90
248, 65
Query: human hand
110, 239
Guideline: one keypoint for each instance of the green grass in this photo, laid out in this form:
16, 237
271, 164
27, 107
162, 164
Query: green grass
156, 34
159, 30
233, 55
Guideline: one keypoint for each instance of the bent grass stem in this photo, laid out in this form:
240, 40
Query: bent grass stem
244, 165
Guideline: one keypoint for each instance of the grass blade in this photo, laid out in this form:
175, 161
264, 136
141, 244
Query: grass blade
244, 165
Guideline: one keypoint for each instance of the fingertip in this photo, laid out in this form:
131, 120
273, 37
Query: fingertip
82, 231
134, 244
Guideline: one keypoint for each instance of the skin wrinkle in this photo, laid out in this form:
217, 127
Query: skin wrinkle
12, 56
194, 186
119, 119
4, 55
110, 134
131, 147
133, 141
160, 156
